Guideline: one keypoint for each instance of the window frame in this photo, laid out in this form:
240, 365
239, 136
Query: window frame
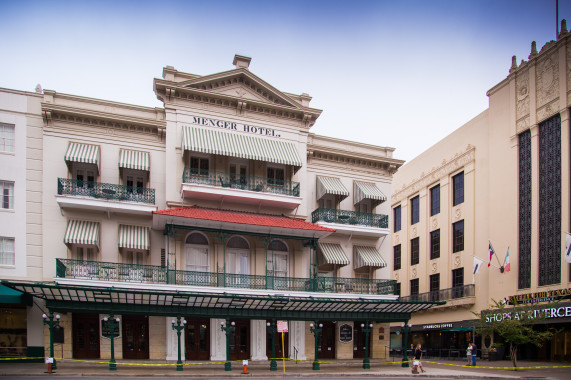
414, 287
458, 189
397, 225
9, 197
435, 200
8, 130
5, 253
458, 239
397, 263
415, 251
456, 275
434, 245
415, 210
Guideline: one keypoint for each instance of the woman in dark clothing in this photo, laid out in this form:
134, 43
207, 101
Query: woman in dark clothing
417, 356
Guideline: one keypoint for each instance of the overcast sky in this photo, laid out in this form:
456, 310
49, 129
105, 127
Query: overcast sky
392, 73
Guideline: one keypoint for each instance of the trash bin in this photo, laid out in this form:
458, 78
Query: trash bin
492, 356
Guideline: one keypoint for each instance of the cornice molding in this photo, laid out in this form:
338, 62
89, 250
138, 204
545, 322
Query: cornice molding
447, 167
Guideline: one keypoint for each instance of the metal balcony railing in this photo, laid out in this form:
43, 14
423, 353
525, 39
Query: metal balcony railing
235, 181
349, 217
105, 191
444, 294
108, 271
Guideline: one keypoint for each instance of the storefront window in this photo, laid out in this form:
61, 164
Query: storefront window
13, 331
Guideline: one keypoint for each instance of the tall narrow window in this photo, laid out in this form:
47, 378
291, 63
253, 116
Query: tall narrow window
435, 200
414, 287
7, 251
415, 210
458, 188
397, 289
396, 257
396, 218
7, 138
276, 176
524, 267
414, 251
7, 194
435, 244
458, 236
458, 283
434, 286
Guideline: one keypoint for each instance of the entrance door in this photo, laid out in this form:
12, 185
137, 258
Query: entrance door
277, 344
240, 340
85, 336
326, 346
135, 337
197, 339
359, 341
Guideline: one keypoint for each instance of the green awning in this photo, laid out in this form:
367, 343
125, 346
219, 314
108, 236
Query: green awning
11, 296
239, 145
366, 190
333, 254
367, 257
330, 185
134, 237
83, 153
82, 232
132, 159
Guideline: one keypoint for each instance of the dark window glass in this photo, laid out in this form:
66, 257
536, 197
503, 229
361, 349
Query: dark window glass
458, 283
524, 267
434, 283
396, 258
458, 236
458, 184
414, 210
414, 287
397, 288
397, 218
414, 251
435, 200
434, 244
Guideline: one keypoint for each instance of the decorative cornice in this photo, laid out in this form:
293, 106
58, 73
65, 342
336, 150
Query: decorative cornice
448, 166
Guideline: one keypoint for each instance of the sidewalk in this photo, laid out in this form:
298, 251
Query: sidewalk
353, 368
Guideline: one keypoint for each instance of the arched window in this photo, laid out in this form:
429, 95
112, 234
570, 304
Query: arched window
278, 259
196, 253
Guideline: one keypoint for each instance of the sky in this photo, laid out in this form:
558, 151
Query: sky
402, 74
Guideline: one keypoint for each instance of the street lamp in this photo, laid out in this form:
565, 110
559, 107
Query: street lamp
178, 327
316, 331
112, 323
366, 329
49, 321
228, 330
272, 329
405, 329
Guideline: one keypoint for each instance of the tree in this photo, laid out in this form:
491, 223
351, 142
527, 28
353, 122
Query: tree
515, 324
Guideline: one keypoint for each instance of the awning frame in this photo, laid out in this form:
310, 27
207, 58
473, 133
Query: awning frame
83, 153
330, 185
359, 261
134, 159
134, 237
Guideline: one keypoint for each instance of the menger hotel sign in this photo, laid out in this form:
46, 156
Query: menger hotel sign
233, 126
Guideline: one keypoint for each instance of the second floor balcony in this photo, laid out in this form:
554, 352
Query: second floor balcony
91, 195
352, 222
219, 185
464, 295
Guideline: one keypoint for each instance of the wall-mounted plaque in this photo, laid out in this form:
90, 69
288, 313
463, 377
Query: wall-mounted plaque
345, 333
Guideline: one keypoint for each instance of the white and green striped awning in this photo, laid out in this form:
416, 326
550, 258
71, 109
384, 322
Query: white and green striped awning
84, 153
132, 159
330, 185
134, 237
239, 145
82, 232
333, 254
367, 257
366, 190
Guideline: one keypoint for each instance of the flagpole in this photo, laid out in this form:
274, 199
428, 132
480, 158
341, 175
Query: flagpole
495, 254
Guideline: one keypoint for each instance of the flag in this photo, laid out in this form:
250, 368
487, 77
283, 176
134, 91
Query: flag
477, 264
567, 247
507, 261
491, 250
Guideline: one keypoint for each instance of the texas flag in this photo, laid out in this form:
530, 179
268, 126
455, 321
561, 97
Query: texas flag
507, 262
491, 250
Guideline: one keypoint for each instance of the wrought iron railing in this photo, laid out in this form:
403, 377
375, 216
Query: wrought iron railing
444, 294
350, 217
101, 190
242, 182
108, 271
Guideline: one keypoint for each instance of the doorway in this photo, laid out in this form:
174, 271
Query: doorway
326, 345
85, 336
197, 339
135, 337
359, 342
240, 340
277, 344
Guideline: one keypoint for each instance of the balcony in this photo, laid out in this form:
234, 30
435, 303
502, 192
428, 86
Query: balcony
352, 222
105, 196
217, 185
149, 274
458, 296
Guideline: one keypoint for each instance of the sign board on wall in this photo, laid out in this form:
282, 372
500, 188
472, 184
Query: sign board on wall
345, 333
282, 326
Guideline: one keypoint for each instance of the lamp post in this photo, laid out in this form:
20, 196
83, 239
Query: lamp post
366, 328
316, 331
179, 326
49, 321
228, 330
272, 329
112, 323
405, 329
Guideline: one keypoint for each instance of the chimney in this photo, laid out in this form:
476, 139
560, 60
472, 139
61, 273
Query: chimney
241, 61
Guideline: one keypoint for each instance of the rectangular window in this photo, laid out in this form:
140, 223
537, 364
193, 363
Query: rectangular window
397, 289
435, 244
396, 212
7, 194
414, 287
458, 236
458, 283
276, 176
7, 252
458, 188
199, 165
434, 286
414, 251
396, 257
435, 200
414, 210
6, 138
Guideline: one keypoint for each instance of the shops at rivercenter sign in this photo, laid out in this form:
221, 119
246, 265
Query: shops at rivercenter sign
549, 312
233, 126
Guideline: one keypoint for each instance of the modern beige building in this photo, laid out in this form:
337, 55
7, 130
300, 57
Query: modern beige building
500, 181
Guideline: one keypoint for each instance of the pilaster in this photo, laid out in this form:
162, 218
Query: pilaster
534, 203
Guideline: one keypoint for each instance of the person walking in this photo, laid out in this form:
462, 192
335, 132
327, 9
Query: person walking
469, 353
417, 359
474, 353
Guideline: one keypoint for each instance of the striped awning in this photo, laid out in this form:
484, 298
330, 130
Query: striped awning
366, 190
134, 237
333, 254
367, 257
132, 159
239, 145
330, 185
82, 232
88, 154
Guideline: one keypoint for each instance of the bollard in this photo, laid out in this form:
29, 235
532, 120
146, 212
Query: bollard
245, 363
